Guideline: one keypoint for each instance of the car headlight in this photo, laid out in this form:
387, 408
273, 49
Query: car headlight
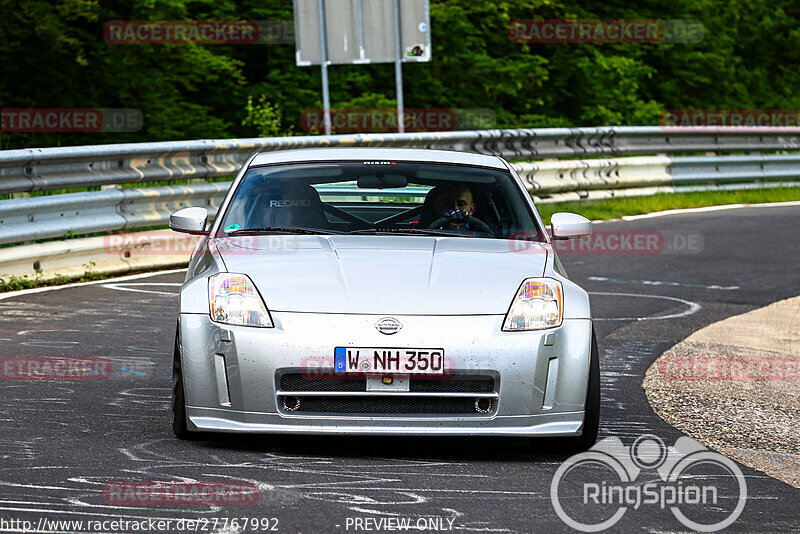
539, 303
233, 299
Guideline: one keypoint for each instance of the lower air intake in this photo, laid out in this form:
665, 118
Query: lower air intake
387, 405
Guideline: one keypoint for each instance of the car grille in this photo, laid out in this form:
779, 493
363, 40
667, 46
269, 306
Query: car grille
462, 395
298, 382
455, 384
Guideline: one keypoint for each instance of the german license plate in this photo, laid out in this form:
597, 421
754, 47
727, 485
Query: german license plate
382, 360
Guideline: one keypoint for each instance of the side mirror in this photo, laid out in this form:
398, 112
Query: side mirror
189, 221
569, 225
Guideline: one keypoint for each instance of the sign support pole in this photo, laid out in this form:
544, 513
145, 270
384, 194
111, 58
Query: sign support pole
323, 50
398, 66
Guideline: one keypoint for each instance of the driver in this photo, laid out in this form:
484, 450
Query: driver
453, 197
451, 207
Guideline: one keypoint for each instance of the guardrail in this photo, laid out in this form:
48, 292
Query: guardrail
110, 254
27, 219
558, 181
69, 167
602, 176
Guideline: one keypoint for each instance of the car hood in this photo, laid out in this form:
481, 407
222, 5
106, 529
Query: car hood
402, 275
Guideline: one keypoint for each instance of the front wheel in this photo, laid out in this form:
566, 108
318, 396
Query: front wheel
591, 418
179, 425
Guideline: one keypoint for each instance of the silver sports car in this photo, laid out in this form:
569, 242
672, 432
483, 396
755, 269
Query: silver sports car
382, 291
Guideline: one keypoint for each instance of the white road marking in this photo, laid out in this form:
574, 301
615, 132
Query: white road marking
23, 292
51, 344
119, 287
660, 283
693, 307
26, 332
169, 284
709, 208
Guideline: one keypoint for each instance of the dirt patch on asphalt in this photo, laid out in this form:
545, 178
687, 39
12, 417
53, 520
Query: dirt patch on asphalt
735, 387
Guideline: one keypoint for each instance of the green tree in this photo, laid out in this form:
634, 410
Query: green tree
263, 116
53, 55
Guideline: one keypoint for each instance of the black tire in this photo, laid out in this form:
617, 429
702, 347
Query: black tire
591, 419
179, 424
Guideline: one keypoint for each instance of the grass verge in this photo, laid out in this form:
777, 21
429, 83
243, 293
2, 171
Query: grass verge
17, 283
618, 207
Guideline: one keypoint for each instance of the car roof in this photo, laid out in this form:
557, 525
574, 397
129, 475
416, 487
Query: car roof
376, 154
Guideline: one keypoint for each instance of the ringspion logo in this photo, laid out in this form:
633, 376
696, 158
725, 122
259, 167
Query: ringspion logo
593, 490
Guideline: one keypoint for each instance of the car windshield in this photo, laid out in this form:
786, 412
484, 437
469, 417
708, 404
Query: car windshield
380, 198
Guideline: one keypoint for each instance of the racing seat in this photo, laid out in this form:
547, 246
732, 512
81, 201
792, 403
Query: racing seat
292, 205
428, 212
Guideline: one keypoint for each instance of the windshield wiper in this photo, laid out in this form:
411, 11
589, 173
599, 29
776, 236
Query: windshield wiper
281, 230
418, 231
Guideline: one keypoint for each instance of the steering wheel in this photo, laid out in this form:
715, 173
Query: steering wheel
461, 217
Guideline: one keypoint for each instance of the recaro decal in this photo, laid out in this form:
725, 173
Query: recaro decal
289, 203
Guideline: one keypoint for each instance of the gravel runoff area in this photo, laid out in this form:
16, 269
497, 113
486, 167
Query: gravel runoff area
735, 387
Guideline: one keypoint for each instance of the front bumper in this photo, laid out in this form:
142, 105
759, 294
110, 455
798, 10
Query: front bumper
232, 374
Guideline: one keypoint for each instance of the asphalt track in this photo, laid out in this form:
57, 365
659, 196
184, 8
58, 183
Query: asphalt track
61, 442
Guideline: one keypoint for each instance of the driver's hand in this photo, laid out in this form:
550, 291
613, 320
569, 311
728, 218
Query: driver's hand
457, 217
